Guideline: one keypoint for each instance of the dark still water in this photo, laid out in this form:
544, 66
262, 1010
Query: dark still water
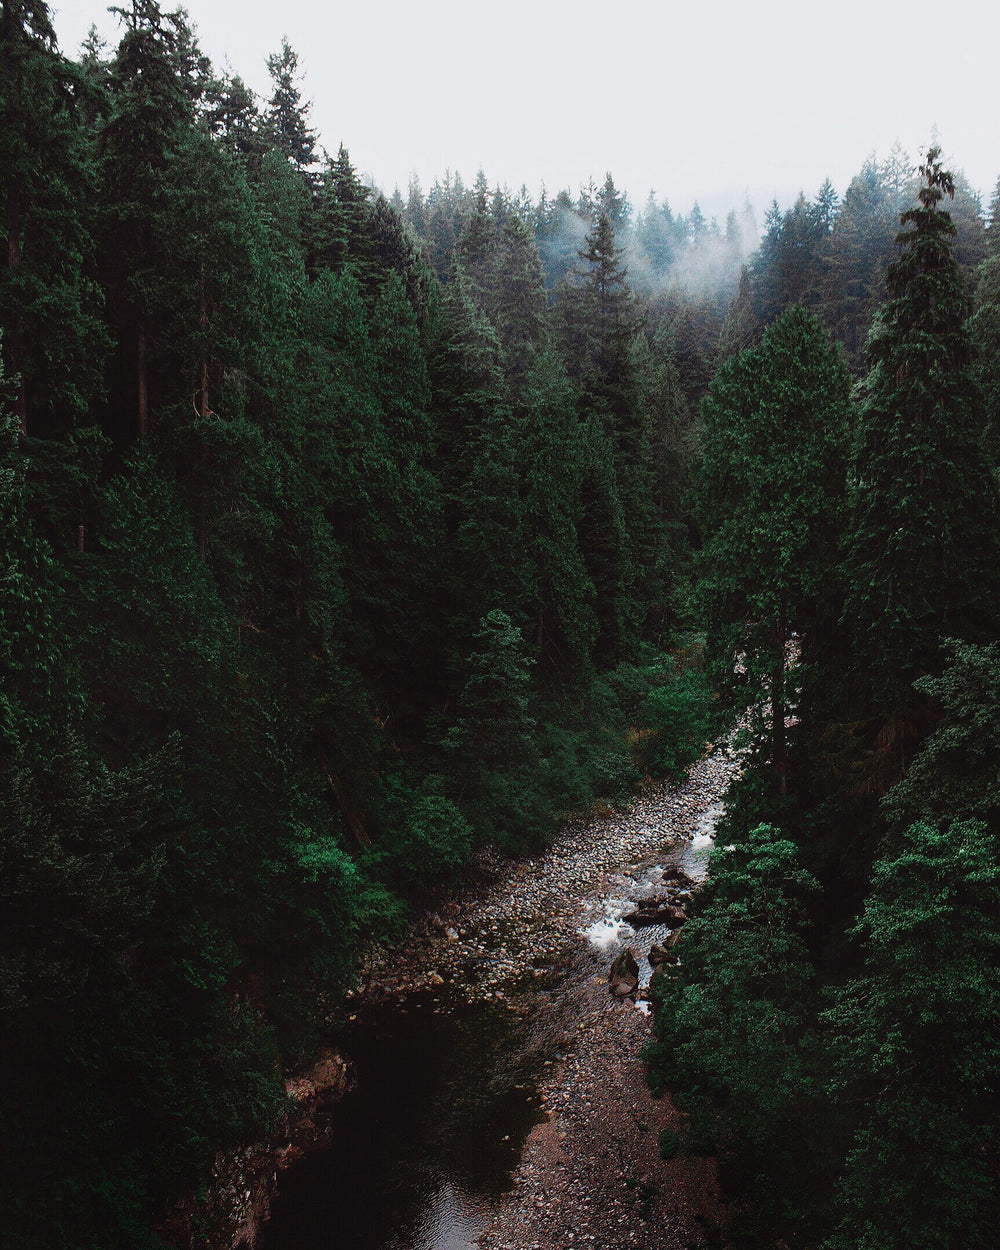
427, 1142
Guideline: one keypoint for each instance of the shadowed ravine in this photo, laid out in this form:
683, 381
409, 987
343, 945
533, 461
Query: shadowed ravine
486, 1051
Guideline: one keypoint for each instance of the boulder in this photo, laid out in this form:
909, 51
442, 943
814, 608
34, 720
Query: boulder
654, 911
676, 876
657, 955
623, 979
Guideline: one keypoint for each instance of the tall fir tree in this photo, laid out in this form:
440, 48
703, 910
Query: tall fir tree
770, 503
923, 552
53, 341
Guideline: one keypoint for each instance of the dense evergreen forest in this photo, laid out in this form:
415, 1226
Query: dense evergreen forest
344, 535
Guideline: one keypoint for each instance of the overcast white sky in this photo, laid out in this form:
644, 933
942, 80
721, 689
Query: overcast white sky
694, 100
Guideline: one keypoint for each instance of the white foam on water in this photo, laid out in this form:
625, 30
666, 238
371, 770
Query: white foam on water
608, 930
700, 848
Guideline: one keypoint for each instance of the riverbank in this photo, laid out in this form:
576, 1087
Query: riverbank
539, 935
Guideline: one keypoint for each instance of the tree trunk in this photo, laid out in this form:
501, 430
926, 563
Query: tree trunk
21, 407
203, 325
13, 218
203, 412
13, 224
143, 399
779, 746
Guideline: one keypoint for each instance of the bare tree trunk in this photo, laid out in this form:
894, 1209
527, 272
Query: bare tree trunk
21, 407
203, 412
143, 394
13, 229
203, 504
13, 223
203, 324
779, 746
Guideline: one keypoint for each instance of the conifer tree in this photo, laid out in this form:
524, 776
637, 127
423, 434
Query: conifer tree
856, 253
53, 341
597, 329
150, 119
770, 494
286, 118
655, 243
917, 1049
734, 1022
923, 548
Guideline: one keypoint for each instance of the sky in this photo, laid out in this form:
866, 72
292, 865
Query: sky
695, 101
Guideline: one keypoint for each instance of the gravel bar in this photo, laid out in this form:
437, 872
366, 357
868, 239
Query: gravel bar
539, 934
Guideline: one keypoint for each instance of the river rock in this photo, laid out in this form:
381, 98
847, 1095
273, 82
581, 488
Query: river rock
623, 978
655, 911
676, 876
657, 955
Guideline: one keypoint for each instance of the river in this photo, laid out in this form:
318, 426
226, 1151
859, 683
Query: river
483, 1051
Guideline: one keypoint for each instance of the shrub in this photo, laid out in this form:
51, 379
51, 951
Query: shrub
675, 716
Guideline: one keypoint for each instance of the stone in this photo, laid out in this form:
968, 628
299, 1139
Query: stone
623, 978
655, 911
657, 955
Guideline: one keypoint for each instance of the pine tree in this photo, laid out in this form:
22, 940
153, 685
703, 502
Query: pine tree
53, 341
598, 331
734, 1023
655, 245
565, 626
614, 205
286, 118
917, 1047
151, 117
856, 253
923, 550
493, 738
770, 493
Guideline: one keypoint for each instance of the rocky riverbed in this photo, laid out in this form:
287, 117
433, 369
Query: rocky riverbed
538, 936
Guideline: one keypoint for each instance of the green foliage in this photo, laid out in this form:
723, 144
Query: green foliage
53, 342
436, 839
922, 546
873, 1123
676, 715
426, 837
917, 1050
734, 1034
492, 741
669, 1143
770, 497
956, 773
79, 863
334, 549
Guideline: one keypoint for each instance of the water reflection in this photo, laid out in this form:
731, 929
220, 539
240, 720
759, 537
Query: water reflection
426, 1144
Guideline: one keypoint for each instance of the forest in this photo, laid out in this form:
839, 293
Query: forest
345, 535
